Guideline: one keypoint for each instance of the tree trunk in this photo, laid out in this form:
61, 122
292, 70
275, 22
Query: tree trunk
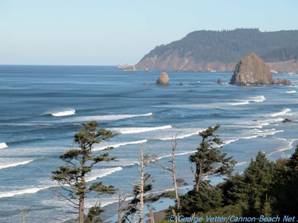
119, 211
142, 187
198, 177
81, 209
151, 216
174, 178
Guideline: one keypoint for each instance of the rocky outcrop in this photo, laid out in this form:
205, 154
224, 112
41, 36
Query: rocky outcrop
281, 82
163, 79
252, 70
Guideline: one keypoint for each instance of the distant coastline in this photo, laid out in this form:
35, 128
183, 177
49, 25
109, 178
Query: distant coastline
213, 51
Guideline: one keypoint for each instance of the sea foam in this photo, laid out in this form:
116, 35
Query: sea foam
256, 99
291, 92
32, 190
240, 102
3, 145
135, 130
102, 173
180, 135
117, 145
281, 113
13, 193
9, 165
64, 113
108, 117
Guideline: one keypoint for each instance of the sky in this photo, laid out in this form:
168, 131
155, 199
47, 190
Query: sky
111, 32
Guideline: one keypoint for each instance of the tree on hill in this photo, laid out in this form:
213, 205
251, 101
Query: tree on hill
258, 178
284, 189
209, 158
72, 177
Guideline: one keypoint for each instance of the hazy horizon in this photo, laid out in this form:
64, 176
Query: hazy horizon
112, 33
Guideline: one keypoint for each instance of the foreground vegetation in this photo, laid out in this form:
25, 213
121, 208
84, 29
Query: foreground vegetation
265, 187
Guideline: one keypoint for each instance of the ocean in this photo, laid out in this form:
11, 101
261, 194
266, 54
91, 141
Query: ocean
42, 107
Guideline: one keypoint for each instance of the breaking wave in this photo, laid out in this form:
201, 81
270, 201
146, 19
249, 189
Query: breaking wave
13, 193
254, 133
281, 113
108, 117
289, 146
102, 173
9, 165
93, 176
64, 113
180, 136
241, 163
117, 145
3, 145
135, 130
256, 99
291, 92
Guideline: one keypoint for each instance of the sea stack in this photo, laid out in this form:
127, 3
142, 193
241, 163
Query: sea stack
252, 70
163, 79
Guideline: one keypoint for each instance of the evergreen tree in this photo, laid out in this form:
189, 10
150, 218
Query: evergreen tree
79, 162
209, 158
258, 178
208, 198
285, 188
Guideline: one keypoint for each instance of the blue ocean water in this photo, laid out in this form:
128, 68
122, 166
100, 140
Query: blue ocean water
41, 108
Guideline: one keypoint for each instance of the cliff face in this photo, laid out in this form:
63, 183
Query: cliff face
214, 50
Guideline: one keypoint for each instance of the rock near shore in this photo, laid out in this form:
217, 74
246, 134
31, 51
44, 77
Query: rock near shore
252, 70
163, 79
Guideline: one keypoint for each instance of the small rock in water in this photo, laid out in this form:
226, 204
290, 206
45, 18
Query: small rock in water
219, 81
286, 120
163, 79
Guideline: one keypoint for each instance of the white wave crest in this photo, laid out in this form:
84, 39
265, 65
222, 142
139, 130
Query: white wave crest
229, 141
291, 92
102, 173
256, 99
241, 163
109, 117
3, 145
153, 159
135, 130
252, 134
281, 113
9, 165
268, 121
180, 136
93, 176
255, 133
289, 146
22, 192
117, 145
64, 113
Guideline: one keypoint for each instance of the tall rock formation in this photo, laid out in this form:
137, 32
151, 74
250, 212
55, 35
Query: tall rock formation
252, 70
